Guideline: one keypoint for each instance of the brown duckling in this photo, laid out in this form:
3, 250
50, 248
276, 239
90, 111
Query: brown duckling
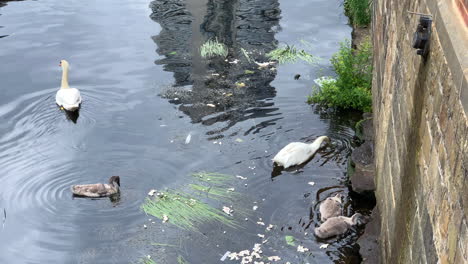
337, 225
98, 189
331, 207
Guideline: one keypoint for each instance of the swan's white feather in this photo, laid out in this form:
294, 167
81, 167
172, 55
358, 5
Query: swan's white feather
296, 153
68, 98
293, 154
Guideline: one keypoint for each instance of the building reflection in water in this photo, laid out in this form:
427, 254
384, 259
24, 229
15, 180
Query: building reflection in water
202, 83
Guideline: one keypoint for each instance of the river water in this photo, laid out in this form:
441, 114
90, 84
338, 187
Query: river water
145, 88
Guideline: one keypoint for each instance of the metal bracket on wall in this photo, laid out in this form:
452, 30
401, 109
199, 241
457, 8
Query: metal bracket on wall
423, 34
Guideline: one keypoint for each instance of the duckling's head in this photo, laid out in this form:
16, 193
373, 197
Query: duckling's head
115, 179
338, 197
357, 218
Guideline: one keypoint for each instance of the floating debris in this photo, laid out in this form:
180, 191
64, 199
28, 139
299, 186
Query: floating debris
311, 183
234, 61
188, 138
324, 245
244, 253
260, 223
240, 177
211, 105
274, 258
173, 53
302, 249
231, 189
227, 210
239, 140
223, 258
261, 235
249, 72
290, 240
240, 84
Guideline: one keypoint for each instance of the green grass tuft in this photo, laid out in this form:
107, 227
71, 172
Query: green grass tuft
358, 11
352, 87
290, 54
213, 48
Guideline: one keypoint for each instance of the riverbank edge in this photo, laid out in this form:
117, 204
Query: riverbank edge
363, 177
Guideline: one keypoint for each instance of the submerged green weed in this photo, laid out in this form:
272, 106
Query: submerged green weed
287, 54
246, 55
147, 261
290, 240
212, 177
213, 48
181, 260
183, 210
214, 192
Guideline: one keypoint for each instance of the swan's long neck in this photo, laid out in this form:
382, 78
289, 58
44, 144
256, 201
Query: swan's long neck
317, 143
64, 77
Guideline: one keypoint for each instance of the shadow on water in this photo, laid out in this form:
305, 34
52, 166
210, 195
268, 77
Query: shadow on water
72, 115
205, 89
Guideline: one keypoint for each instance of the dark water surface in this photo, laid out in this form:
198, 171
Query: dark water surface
145, 88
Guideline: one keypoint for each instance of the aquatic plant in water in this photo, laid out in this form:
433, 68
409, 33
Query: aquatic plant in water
212, 177
184, 211
352, 87
288, 54
147, 261
213, 48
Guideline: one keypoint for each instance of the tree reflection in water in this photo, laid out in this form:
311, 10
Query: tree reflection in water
240, 25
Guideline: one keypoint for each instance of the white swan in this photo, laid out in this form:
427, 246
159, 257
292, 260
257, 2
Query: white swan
331, 207
66, 97
337, 225
296, 153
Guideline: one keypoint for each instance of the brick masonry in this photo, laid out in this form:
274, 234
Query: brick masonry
421, 140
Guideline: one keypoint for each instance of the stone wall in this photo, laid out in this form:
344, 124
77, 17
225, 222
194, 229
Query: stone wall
421, 134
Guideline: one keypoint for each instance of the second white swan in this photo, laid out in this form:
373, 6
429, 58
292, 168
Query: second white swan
66, 97
296, 153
